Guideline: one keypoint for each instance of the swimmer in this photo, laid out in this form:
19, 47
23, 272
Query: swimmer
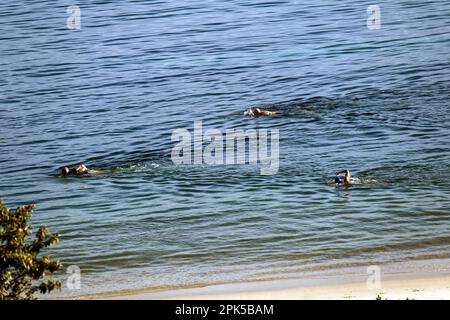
81, 170
338, 179
257, 112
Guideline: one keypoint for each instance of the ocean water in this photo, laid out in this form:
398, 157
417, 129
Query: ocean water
110, 95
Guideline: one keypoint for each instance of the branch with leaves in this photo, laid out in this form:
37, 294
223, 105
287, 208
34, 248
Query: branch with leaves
21, 267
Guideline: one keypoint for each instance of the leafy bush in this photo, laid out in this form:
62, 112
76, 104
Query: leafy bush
21, 269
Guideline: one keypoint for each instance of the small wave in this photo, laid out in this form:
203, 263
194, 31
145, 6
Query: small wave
358, 181
141, 167
249, 112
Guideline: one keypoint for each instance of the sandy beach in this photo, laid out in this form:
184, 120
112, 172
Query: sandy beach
391, 288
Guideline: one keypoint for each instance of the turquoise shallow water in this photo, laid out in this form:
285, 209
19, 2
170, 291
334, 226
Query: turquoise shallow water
110, 95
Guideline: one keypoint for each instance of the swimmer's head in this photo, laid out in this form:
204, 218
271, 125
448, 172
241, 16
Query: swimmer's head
257, 111
65, 171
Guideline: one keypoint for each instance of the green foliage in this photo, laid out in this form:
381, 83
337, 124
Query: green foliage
20, 267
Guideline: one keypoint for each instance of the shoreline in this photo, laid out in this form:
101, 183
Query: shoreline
419, 288
350, 285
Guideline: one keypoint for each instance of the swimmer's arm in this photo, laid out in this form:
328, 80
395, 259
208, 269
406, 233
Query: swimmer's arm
81, 167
